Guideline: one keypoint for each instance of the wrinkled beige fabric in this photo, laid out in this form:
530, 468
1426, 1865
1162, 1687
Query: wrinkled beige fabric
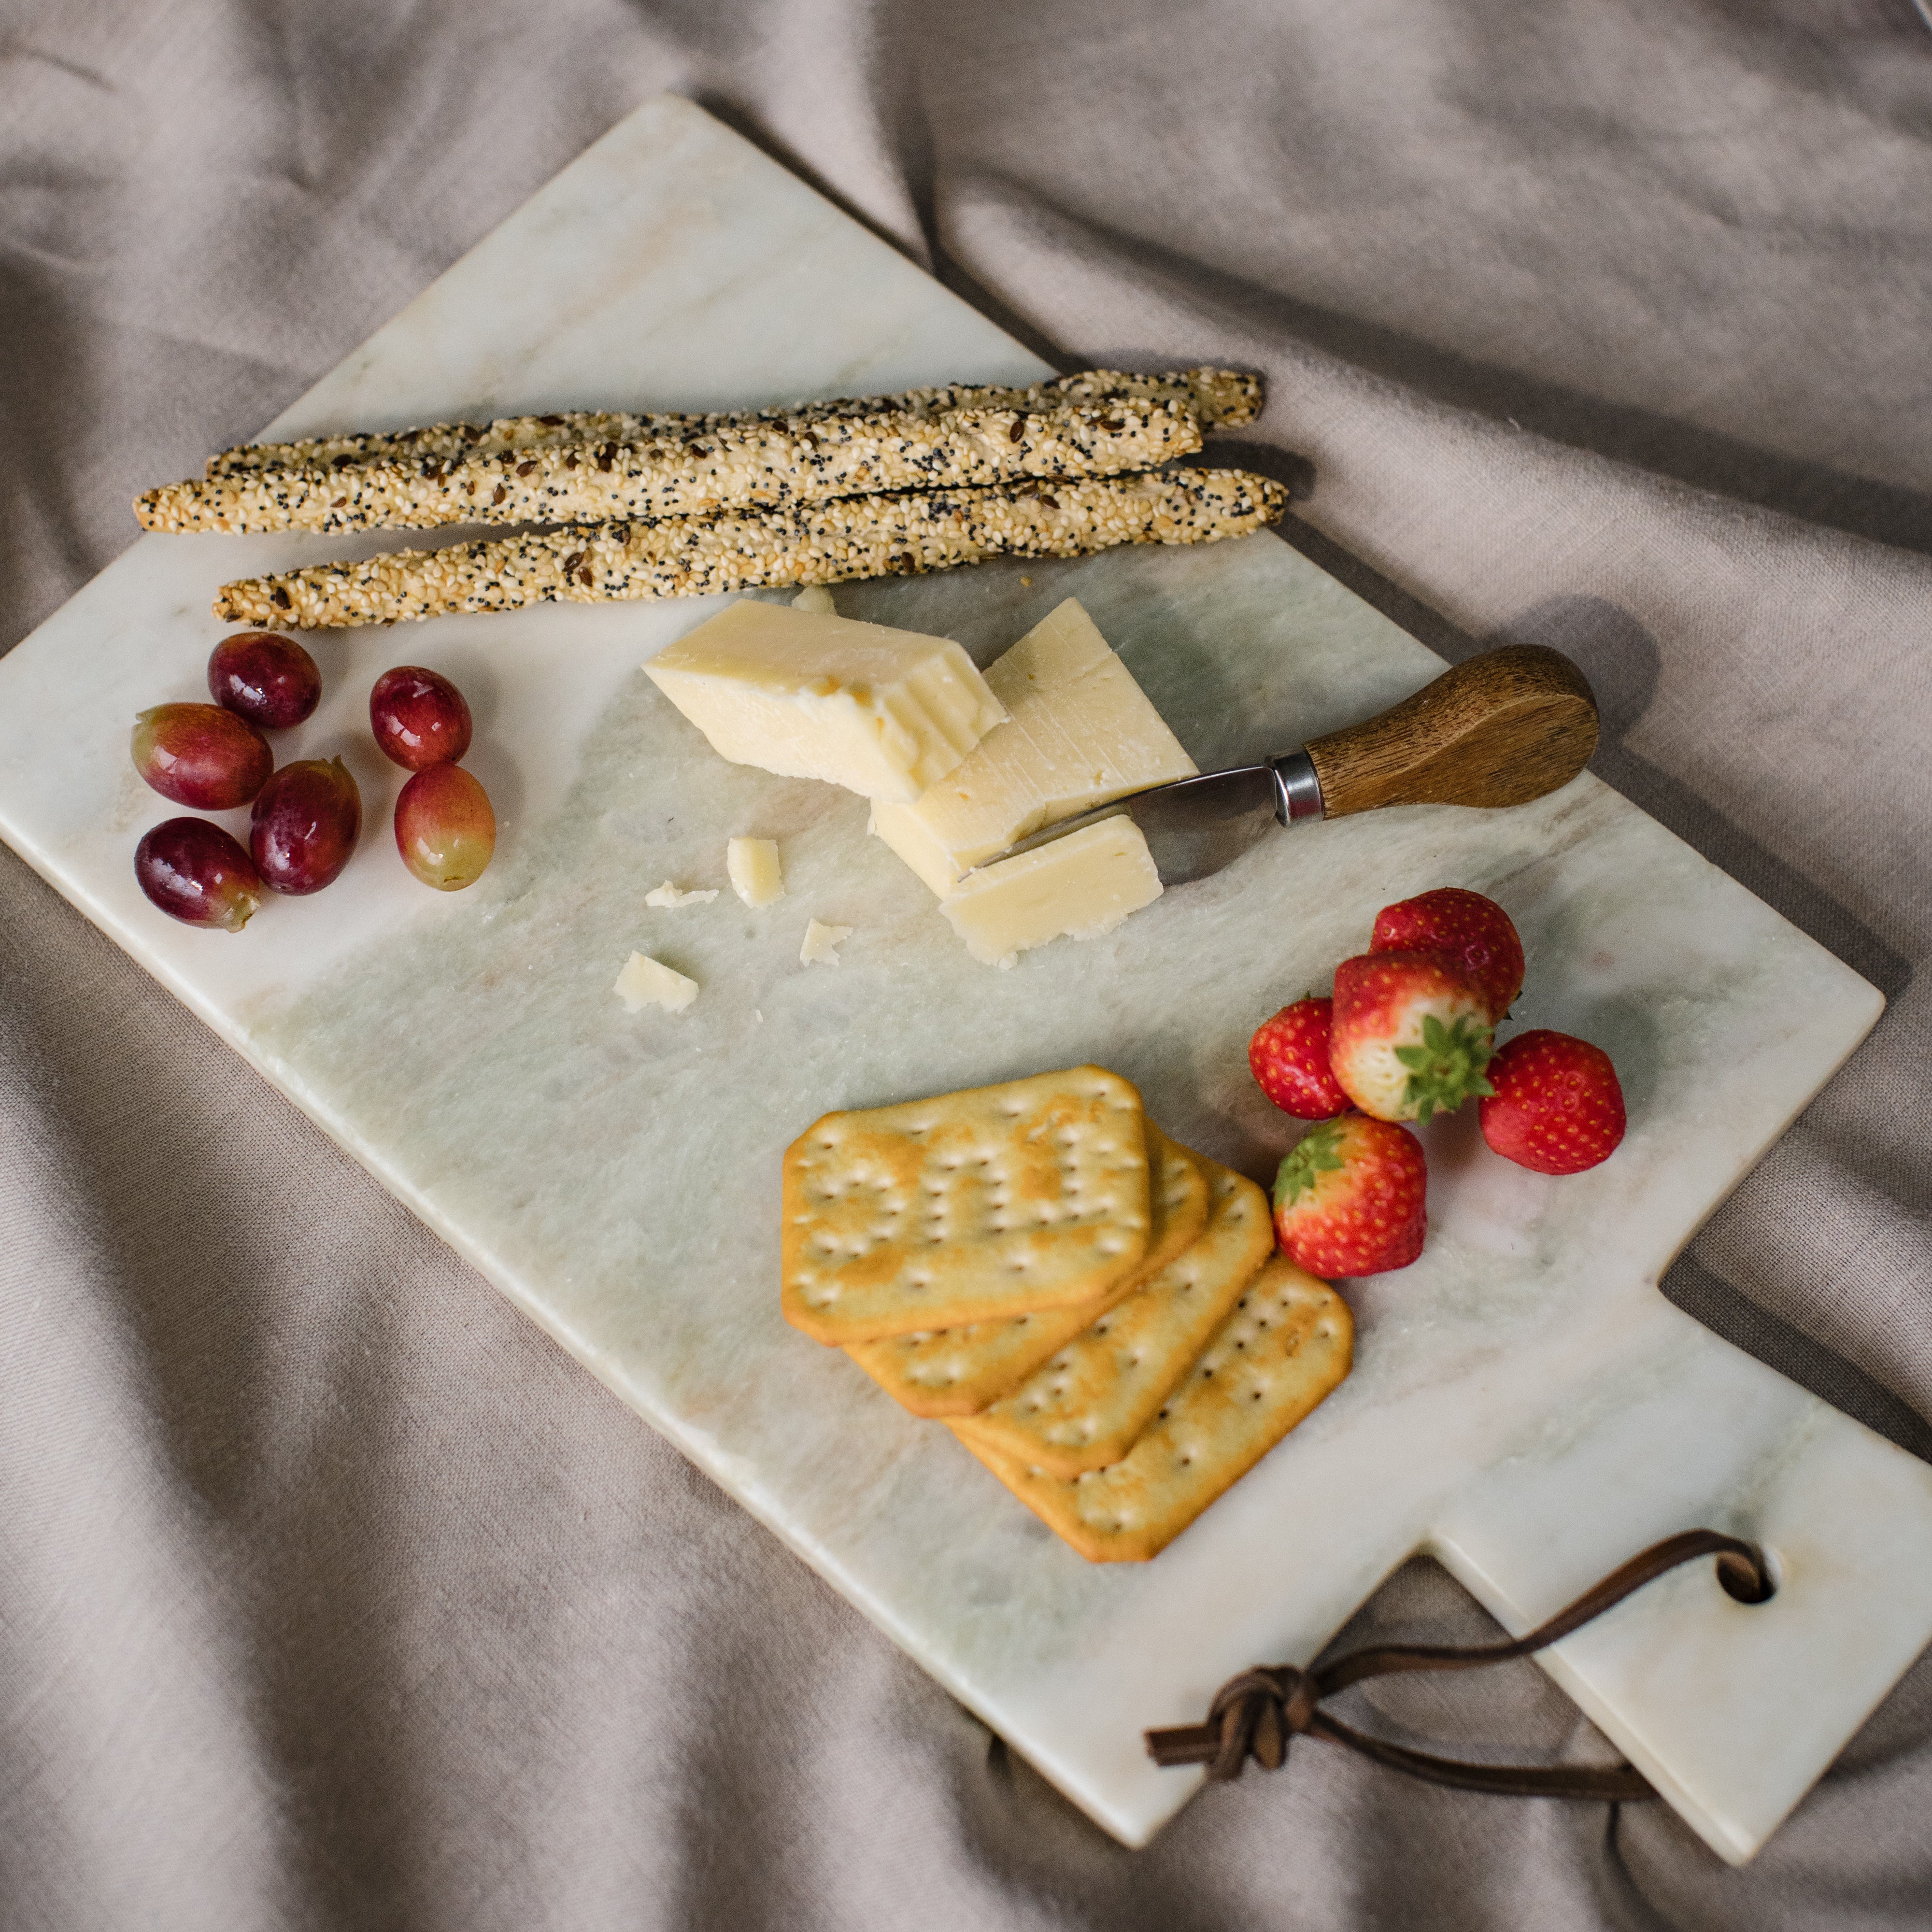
330, 1593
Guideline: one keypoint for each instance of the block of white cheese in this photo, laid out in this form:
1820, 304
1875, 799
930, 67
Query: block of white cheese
1080, 732
811, 695
1077, 887
646, 982
752, 866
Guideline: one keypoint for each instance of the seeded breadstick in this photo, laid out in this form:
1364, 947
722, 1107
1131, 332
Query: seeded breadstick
760, 465
831, 542
1222, 398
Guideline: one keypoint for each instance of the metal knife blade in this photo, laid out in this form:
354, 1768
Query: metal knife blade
1498, 730
1194, 826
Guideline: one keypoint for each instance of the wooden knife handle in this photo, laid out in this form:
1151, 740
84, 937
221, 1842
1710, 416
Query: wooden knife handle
1501, 729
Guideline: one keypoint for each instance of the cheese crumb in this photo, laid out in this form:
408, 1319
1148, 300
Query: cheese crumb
822, 944
646, 982
668, 895
752, 866
815, 597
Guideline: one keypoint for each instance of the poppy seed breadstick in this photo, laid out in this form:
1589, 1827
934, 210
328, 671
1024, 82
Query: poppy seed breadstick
1222, 398
831, 542
760, 465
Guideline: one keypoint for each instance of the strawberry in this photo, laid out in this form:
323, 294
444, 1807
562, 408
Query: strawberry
1289, 1057
1557, 1106
1348, 1199
1411, 1035
1473, 932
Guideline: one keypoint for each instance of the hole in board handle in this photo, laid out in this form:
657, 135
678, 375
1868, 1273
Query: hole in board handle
1744, 1582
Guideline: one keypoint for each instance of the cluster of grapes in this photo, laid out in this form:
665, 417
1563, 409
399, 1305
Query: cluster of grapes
305, 817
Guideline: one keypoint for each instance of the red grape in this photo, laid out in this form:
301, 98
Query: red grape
445, 829
419, 718
269, 680
201, 755
197, 873
305, 825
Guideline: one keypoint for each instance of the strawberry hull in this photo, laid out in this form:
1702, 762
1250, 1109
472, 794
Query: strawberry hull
1411, 1035
1350, 1199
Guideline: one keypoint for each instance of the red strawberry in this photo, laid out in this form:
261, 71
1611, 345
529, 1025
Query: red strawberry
1410, 1037
1474, 932
1557, 1106
1289, 1057
1348, 1199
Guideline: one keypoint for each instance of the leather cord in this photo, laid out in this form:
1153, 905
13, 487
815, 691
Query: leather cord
1254, 1715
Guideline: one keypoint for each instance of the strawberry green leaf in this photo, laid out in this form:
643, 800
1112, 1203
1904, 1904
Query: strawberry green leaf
1315, 1154
1447, 1068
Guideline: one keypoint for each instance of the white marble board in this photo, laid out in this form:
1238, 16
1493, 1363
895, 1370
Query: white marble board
1525, 1405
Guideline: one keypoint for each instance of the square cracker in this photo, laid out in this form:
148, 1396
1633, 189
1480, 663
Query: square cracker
969, 1206
1085, 1408
950, 1372
1287, 1342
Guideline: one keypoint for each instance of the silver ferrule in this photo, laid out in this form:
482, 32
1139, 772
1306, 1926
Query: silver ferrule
1297, 791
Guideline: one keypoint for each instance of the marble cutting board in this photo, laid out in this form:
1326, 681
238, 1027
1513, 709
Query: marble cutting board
1526, 1406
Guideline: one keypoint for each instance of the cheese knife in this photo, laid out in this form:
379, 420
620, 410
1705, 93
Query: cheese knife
1499, 729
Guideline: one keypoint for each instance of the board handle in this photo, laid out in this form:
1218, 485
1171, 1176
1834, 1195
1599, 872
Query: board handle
1500, 729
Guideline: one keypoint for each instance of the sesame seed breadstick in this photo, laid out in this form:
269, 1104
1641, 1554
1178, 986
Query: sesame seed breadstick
1222, 398
831, 542
763, 465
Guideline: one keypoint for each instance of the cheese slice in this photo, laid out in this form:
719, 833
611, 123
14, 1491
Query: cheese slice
1080, 732
1077, 887
809, 694
752, 866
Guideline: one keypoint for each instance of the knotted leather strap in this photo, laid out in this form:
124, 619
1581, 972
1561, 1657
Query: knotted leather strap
1255, 1714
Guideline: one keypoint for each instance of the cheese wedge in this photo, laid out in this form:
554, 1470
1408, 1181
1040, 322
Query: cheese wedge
1080, 732
1077, 887
810, 695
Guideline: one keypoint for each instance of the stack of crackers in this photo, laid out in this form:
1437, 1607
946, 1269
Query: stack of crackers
1096, 1312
